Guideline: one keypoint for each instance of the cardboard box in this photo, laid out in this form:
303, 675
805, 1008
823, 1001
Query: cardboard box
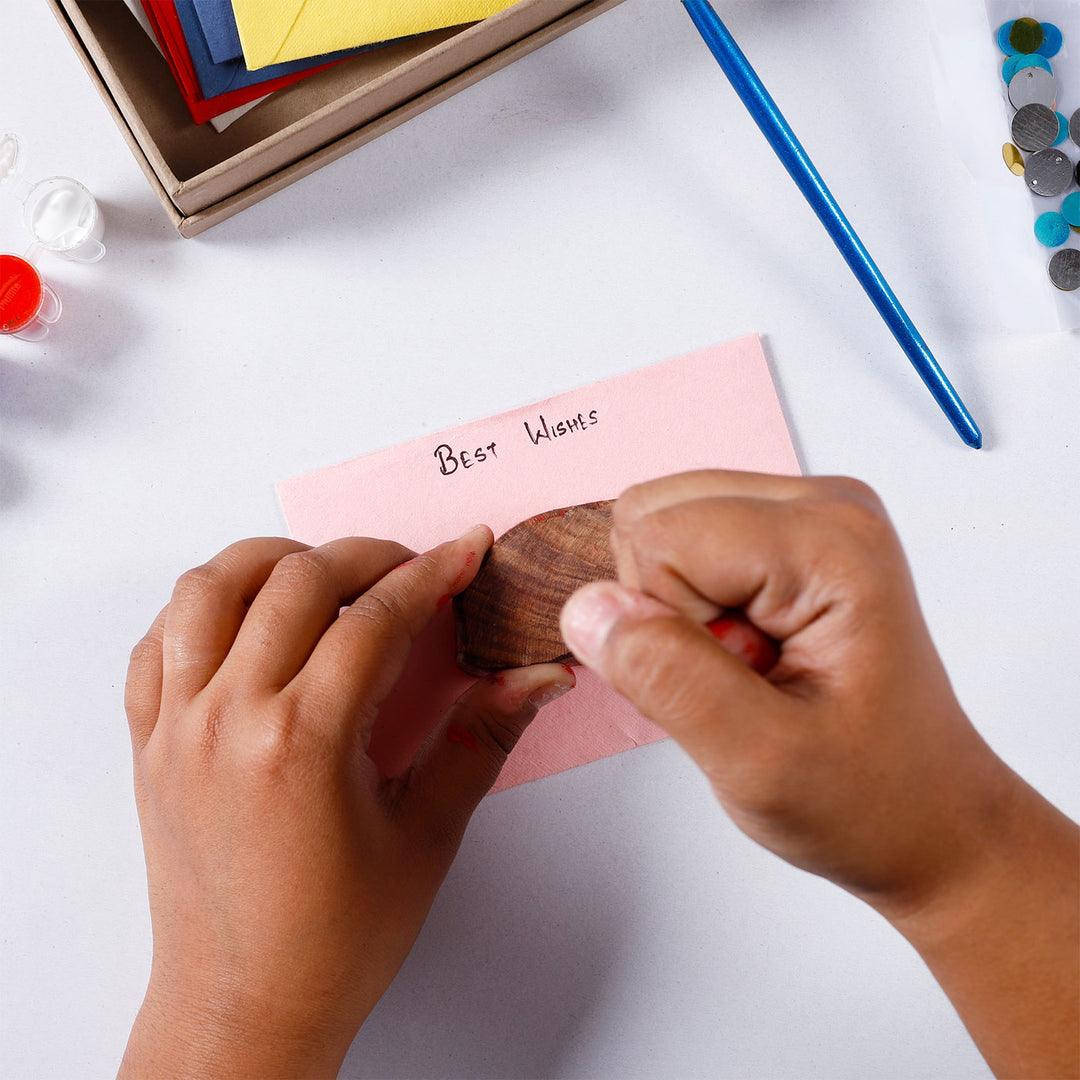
202, 176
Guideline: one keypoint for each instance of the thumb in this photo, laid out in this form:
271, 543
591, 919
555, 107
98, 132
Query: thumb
674, 670
463, 756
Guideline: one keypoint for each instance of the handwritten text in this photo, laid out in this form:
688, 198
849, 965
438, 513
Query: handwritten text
556, 430
449, 462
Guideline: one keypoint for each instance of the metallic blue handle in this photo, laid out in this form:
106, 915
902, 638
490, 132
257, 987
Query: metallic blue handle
789, 150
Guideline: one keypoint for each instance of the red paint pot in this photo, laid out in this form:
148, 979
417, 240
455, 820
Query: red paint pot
27, 305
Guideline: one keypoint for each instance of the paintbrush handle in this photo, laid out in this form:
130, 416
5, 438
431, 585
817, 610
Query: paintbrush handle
789, 150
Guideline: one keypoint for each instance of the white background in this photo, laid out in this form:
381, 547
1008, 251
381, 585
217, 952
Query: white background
602, 204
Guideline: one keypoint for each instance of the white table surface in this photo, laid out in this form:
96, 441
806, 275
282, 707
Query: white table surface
602, 204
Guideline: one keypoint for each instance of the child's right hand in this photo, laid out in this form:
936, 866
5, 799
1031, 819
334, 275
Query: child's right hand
851, 758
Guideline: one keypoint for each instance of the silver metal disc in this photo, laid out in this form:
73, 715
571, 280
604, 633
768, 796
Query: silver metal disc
1064, 269
1074, 127
1049, 173
1033, 86
1035, 127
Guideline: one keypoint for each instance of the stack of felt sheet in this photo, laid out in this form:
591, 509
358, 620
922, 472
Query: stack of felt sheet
226, 54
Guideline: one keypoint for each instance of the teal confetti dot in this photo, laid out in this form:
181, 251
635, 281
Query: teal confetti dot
1052, 42
1015, 64
1070, 208
1003, 42
1052, 230
1063, 129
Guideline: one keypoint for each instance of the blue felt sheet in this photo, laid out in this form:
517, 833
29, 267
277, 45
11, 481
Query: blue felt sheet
215, 79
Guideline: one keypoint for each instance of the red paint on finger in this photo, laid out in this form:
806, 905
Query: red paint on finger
442, 601
457, 734
455, 585
745, 641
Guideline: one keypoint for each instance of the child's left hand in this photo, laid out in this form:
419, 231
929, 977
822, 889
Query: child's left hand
288, 878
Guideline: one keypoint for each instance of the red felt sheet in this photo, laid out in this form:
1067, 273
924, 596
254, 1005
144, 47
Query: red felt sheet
170, 35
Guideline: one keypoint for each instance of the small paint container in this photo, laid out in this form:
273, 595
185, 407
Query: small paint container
59, 212
64, 217
9, 155
28, 306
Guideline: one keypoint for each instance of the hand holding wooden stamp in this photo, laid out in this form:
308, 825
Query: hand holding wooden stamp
716, 408
509, 616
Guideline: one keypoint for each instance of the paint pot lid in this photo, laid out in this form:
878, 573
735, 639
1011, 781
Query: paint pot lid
20, 293
60, 213
10, 155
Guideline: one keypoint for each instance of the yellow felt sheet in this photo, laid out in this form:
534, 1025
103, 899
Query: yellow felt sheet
274, 31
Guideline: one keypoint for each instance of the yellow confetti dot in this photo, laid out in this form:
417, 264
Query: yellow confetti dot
1013, 158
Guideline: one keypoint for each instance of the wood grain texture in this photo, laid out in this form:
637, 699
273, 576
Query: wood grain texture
509, 615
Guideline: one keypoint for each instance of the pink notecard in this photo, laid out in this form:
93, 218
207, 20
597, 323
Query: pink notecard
712, 409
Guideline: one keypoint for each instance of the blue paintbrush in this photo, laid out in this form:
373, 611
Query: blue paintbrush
788, 148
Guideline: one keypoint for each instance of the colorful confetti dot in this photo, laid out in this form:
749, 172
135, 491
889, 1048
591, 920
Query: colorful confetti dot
1051, 229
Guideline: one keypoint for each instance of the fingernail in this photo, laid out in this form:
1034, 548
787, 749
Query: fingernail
589, 616
536, 685
485, 530
547, 694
